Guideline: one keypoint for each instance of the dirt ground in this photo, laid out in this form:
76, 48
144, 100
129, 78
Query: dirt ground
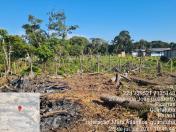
88, 88
93, 115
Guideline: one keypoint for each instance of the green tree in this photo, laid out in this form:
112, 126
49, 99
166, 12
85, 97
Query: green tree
159, 44
78, 45
173, 45
13, 48
34, 37
34, 34
19, 47
141, 44
97, 46
57, 24
123, 42
7, 50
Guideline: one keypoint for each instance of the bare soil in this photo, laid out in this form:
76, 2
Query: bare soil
76, 106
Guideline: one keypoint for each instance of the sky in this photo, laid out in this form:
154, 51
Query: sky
144, 19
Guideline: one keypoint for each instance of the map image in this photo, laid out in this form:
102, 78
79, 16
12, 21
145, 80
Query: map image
19, 112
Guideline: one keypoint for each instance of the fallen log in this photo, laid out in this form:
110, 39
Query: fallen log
48, 114
126, 102
113, 79
125, 77
6, 88
143, 81
172, 75
136, 80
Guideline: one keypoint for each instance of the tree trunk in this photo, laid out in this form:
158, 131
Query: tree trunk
171, 66
141, 81
81, 68
56, 66
138, 80
109, 62
126, 102
31, 74
45, 67
140, 65
14, 67
98, 63
159, 72
7, 60
118, 78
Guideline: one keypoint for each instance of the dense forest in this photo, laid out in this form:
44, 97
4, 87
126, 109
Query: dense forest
40, 45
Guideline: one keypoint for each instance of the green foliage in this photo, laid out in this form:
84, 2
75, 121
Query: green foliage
35, 69
3, 33
80, 41
57, 26
1, 61
19, 47
39, 46
44, 52
34, 34
123, 42
77, 45
143, 44
174, 62
69, 69
75, 50
97, 46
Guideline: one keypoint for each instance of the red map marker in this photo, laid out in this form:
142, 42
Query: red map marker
20, 108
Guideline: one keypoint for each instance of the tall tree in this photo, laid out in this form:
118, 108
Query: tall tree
57, 24
159, 44
123, 42
13, 48
35, 37
173, 45
78, 45
97, 45
7, 50
141, 44
34, 34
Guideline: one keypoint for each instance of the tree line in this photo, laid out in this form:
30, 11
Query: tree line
38, 45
